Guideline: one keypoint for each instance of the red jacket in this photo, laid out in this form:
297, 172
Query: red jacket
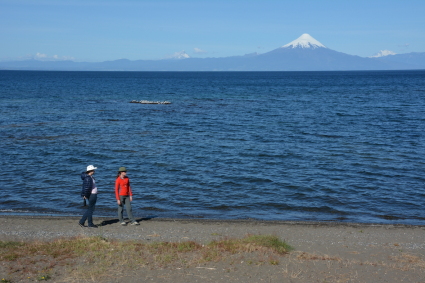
122, 187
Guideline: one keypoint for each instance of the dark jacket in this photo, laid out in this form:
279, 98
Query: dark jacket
87, 185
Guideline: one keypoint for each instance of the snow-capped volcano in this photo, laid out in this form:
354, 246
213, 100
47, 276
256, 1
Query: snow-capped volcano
304, 41
383, 53
178, 55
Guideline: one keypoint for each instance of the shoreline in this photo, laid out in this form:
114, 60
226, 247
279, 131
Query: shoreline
236, 221
50, 228
331, 252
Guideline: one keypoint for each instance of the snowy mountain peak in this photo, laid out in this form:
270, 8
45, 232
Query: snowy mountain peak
304, 41
383, 53
178, 55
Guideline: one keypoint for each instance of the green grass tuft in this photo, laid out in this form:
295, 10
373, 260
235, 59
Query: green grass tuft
10, 244
269, 241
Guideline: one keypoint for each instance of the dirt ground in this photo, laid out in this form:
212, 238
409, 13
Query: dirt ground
323, 252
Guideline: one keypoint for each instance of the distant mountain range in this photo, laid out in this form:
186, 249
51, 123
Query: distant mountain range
302, 54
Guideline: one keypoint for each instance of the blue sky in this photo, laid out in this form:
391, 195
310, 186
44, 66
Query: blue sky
90, 30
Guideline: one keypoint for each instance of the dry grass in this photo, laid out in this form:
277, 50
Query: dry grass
407, 261
308, 256
95, 257
403, 262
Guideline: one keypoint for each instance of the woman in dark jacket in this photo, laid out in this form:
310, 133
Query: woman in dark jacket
89, 192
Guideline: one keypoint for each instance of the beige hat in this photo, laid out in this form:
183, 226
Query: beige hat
91, 168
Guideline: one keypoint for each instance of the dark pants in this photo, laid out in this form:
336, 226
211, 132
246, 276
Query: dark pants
125, 200
89, 212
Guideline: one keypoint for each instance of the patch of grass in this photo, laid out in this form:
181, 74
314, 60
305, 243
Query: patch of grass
309, 256
9, 244
252, 243
188, 246
100, 256
267, 241
408, 261
43, 277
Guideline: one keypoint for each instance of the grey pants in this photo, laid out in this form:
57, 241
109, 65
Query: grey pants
125, 200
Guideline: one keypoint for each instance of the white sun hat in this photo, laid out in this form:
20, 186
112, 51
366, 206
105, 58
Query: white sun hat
91, 168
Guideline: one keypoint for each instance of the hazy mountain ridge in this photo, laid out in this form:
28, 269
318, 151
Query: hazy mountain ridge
413, 58
302, 54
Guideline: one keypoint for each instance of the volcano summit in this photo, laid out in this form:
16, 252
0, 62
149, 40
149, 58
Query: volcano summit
304, 41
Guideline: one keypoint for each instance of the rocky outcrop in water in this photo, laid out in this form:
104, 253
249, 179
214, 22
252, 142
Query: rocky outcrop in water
150, 102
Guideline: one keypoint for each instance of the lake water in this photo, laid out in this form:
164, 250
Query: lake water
304, 146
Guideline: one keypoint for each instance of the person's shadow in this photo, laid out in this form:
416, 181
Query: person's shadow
114, 221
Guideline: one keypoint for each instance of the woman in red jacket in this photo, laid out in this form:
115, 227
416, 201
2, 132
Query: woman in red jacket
124, 196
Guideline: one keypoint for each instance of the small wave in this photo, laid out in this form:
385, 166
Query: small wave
390, 217
222, 207
12, 210
347, 114
159, 164
124, 150
259, 180
32, 213
151, 208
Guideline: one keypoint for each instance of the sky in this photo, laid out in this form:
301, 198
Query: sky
102, 30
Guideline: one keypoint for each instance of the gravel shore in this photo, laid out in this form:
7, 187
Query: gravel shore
324, 252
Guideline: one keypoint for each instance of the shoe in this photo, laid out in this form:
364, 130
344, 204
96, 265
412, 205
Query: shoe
123, 223
81, 225
135, 223
92, 226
